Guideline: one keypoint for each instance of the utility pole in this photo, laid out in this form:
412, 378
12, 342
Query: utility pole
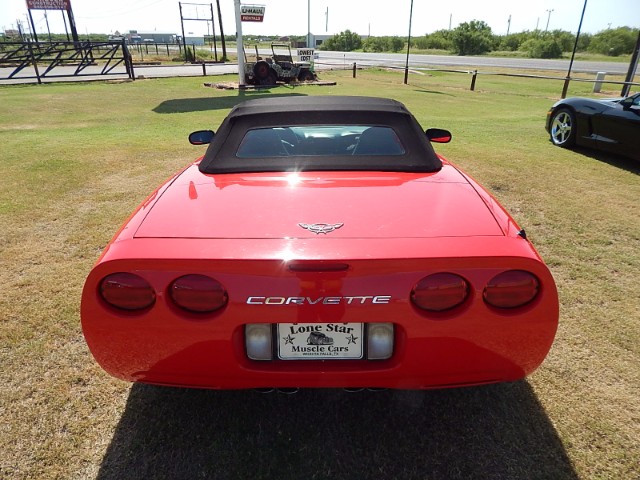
46, 19
326, 21
213, 29
184, 40
309, 24
406, 67
224, 45
632, 69
573, 55
20, 30
239, 45
508, 25
33, 27
548, 18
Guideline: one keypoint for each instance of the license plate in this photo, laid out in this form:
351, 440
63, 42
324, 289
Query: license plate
320, 341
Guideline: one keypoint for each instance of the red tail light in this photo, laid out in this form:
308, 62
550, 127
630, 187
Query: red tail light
198, 293
511, 289
127, 291
440, 291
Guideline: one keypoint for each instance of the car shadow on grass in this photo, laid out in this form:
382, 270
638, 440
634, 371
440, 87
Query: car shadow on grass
201, 104
498, 432
612, 159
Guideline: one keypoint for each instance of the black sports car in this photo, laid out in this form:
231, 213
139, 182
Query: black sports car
612, 125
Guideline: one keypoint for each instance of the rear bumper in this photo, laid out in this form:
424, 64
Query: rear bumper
418, 361
473, 344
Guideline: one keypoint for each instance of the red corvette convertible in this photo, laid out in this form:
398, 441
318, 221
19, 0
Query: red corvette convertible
320, 242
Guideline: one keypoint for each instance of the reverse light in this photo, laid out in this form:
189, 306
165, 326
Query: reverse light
127, 291
440, 292
511, 289
379, 341
198, 293
258, 341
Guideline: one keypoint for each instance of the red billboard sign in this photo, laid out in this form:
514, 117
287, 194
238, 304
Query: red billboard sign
49, 4
252, 13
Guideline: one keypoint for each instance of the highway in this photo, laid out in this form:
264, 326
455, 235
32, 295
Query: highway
332, 60
461, 62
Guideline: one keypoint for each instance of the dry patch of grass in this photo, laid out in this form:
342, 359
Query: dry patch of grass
76, 160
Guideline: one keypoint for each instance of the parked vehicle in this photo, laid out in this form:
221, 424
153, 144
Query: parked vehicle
320, 242
279, 67
612, 124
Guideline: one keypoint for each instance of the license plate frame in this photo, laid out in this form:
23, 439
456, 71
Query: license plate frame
320, 341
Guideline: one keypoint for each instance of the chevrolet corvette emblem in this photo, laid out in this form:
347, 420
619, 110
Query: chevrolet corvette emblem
319, 228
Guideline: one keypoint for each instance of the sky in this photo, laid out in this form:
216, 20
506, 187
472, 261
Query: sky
365, 17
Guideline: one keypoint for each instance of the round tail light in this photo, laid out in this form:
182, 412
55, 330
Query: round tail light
198, 293
440, 292
511, 289
127, 291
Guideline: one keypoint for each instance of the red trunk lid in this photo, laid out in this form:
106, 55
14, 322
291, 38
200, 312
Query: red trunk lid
273, 205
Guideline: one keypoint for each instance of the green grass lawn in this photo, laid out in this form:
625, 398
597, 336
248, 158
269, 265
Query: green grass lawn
76, 159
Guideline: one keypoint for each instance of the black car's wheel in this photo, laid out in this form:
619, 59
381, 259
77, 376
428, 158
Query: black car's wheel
563, 128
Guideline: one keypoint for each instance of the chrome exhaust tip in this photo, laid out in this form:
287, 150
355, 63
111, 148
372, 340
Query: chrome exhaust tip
288, 391
353, 389
264, 390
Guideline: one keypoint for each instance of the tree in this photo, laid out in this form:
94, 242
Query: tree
614, 42
438, 40
547, 47
373, 44
511, 43
346, 41
472, 38
395, 44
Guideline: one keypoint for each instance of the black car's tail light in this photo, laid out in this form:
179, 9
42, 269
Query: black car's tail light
198, 293
511, 289
127, 291
440, 292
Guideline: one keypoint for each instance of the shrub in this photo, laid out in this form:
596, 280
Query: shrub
383, 44
542, 48
346, 41
472, 38
614, 42
438, 40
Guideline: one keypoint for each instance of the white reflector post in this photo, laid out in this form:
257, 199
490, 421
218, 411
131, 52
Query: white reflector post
258, 340
379, 341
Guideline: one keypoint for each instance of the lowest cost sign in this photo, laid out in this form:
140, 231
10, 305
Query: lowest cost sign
306, 55
252, 13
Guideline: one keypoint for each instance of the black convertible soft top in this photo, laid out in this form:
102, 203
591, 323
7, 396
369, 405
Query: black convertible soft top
295, 111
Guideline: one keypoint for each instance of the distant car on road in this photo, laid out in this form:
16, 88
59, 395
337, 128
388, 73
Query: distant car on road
612, 125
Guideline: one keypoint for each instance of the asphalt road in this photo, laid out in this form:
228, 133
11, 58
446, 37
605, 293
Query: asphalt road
327, 60
461, 62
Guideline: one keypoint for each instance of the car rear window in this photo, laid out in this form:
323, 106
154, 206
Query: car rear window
319, 141
319, 137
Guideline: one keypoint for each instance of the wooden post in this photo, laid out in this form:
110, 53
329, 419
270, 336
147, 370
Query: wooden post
473, 80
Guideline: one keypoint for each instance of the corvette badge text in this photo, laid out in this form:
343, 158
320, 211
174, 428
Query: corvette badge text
357, 300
